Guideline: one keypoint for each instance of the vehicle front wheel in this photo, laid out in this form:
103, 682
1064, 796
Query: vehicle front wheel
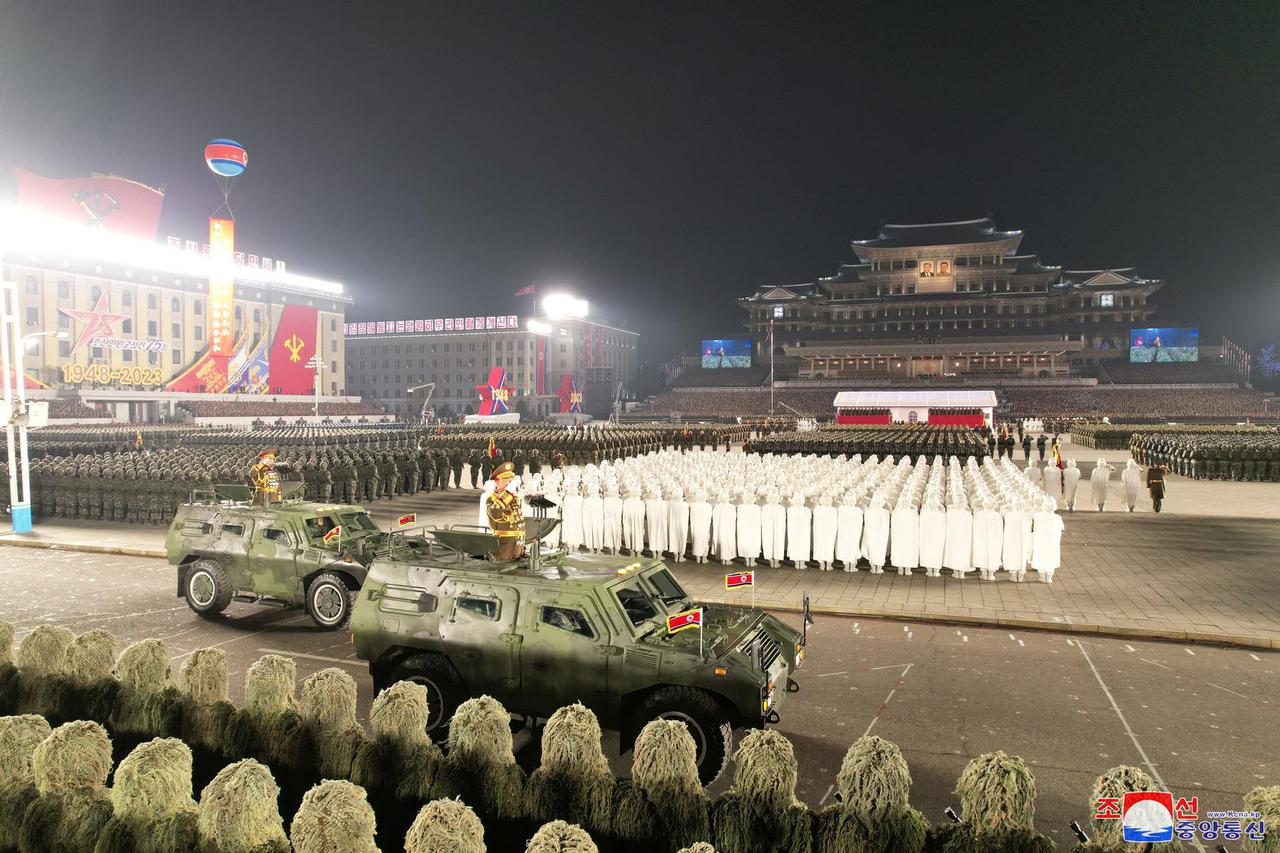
329, 601
207, 588
703, 717
444, 689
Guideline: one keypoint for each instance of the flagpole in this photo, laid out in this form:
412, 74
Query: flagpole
771, 365
701, 654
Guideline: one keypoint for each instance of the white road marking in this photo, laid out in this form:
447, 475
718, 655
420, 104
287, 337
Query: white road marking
885, 703
964, 639
1153, 663
1129, 648
1071, 642
1232, 692
1188, 651
358, 663
890, 666
1024, 645
829, 674
244, 637
1255, 657
827, 795
1155, 774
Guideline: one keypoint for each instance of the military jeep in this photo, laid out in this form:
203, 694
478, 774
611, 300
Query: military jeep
226, 549
538, 634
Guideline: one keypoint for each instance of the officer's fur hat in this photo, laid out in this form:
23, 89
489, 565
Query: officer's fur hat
238, 811
401, 758
329, 708
574, 781
335, 815
481, 767
561, 837
445, 826
872, 813
760, 811
663, 803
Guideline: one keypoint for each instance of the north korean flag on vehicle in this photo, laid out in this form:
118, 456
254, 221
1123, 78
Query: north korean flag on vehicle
687, 619
736, 580
333, 534
407, 519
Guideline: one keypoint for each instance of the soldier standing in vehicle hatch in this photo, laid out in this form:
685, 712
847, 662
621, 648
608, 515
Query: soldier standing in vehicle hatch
264, 479
506, 517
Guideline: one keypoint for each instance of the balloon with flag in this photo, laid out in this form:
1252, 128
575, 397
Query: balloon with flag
226, 157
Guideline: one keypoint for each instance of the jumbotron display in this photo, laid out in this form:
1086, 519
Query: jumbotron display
1152, 345
726, 353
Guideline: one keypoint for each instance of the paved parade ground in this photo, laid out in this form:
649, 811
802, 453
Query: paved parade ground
1202, 717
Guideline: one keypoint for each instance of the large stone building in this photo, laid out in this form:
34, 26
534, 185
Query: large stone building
949, 297
385, 359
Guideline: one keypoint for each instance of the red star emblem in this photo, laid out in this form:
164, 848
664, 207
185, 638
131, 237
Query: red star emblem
570, 396
494, 395
98, 323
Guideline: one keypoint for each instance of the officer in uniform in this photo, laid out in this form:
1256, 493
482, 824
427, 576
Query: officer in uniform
264, 479
506, 517
1155, 485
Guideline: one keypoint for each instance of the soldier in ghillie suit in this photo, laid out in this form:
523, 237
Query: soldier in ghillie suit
561, 837
1266, 801
153, 811
574, 782
445, 826
87, 691
329, 709
480, 766
997, 810
760, 812
72, 806
334, 816
700, 847
19, 737
42, 657
269, 727
205, 709
872, 814
400, 762
662, 806
1107, 836
148, 703
8, 672
238, 812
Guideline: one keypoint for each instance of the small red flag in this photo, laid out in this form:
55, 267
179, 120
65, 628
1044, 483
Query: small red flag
527, 290
408, 518
734, 580
687, 619
333, 534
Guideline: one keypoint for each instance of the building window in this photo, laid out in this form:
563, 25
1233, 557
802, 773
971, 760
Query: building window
199, 333
64, 349
126, 327
177, 356
257, 315
64, 322
177, 330
175, 305
197, 307
33, 286
64, 290
127, 355
33, 316
153, 358
151, 328
151, 301
126, 299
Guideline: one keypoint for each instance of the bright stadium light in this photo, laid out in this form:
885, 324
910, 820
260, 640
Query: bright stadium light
538, 327
36, 233
559, 306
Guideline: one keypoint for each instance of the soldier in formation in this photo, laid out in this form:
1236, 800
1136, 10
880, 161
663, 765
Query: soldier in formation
1253, 455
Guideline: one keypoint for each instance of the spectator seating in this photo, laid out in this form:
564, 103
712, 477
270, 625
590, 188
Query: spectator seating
1070, 402
75, 409
1185, 373
270, 409
722, 377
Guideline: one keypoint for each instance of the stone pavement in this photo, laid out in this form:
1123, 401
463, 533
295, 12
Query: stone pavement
1202, 570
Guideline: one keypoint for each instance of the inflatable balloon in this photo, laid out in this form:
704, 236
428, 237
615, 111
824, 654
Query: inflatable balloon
226, 157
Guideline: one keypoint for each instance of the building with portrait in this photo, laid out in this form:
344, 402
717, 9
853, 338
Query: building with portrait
546, 365
945, 299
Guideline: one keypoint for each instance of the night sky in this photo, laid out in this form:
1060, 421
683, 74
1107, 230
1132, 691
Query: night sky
662, 158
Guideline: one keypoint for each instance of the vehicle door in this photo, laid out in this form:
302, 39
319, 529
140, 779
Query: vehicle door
480, 638
564, 657
273, 552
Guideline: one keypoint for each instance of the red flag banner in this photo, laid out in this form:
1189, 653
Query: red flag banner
687, 619
333, 534
206, 374
291, 349
736, 580
116, 204
527, 290
407, 519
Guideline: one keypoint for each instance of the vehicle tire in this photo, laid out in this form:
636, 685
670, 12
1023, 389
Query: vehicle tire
329, 601
706, 720
444, 689
207, 588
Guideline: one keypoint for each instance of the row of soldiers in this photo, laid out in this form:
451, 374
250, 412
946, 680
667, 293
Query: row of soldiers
897, 440
1233, 456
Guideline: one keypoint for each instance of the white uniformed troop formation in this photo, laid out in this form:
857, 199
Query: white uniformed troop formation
809, 509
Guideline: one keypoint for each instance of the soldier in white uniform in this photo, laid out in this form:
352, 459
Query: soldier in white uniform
773, 530
571, 515
904, 536
1070, 482
825, 524
724, 529
655, 521
1052, 481
633, 521
1098, 479
933, 536
875, 533
749, 529
849, 532
677, 523
799, 532
1046, 541
1132, 480
699, 526
988, 539
958, 556
612, 509
592, 517
1013, 553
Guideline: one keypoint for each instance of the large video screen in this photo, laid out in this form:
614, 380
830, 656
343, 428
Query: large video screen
726, 353
1149, 345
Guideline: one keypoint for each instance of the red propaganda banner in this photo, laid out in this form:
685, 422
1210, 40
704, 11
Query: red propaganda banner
687, 619
407, 519
207, 374
222, 286
292, 348
736, 580
118, 205
333, 534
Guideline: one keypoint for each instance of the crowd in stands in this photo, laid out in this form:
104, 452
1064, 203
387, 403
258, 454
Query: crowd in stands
271, 409
1058, 401
816, 402
1173, 373
722, 377
75, 409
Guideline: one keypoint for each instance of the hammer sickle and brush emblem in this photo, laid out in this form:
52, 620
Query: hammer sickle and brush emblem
294, 345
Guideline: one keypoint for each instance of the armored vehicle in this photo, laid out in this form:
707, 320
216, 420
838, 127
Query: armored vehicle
538, 634
293, 552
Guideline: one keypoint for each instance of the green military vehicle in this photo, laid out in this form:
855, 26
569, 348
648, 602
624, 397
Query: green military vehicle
540, 633
226, 549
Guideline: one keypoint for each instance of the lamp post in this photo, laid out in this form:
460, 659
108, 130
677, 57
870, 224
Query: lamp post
316, 364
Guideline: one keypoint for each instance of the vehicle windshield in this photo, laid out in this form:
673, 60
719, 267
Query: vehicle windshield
354, 521
639, 608
318, 526
668, 588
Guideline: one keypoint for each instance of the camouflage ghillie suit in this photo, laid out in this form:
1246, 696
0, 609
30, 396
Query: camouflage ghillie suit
997, 809
152, 808
19, 737
760, 812
238, 812
334, 816
574, 782
70, 767
872, 814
